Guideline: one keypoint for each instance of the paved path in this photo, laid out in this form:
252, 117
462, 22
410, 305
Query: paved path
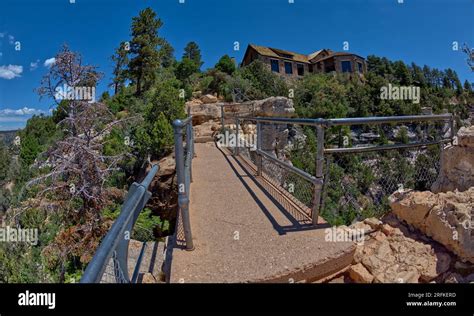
242, 234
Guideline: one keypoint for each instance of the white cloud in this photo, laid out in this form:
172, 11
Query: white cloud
25, 111
10, 71
34, 65
49, 62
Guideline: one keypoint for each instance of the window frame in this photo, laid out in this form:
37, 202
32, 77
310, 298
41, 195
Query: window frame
272, 61
298, 67
350, 66
291, 67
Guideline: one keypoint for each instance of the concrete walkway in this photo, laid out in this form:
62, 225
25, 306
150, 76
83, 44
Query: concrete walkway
243, 233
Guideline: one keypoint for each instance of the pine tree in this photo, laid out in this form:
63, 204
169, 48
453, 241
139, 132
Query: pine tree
193, 52
467, 87
120, 58
166, 54
144, 49
226, 64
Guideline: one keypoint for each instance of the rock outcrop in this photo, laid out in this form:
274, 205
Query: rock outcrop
208, 108
448, 217
457, 164
391, 253
274, 106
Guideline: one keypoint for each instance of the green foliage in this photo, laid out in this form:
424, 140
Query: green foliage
145, 57
120, 59
320, 96
193, 53
264, 83
226, 65
185, 69
40, 131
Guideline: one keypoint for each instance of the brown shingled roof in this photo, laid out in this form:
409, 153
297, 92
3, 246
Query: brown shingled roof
280, 53
275, 52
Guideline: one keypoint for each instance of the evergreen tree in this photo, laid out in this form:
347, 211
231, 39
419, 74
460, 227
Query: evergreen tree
144, 49
467, 87
402, 73
166, 54
226, 64
120, 58
192, 52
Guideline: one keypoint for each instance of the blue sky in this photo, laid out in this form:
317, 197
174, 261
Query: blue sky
417, 30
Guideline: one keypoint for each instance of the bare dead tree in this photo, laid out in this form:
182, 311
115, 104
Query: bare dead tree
77, 167
470, 55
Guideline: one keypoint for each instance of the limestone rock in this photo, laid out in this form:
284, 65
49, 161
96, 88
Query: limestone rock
274, 106
204, 112
445, 217
208, 98
457, 164
359, 274
373, 222
466, 136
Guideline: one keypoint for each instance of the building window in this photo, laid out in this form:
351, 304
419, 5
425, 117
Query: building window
310, 68
361, 67
275, 65
288, 68
346, 66
300, 69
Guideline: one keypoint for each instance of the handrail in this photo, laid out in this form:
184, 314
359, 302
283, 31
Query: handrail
115, 243
388, 119
352, 120
318, 180
184, 154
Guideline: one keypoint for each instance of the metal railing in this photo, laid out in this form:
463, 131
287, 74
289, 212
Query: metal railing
328, 171
184, 154
113, 250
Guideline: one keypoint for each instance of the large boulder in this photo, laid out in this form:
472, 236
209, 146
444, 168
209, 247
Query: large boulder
457, 164
209, 98
204, 112
274, 106
447, 218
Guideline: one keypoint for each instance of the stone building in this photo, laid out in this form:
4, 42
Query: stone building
292, 64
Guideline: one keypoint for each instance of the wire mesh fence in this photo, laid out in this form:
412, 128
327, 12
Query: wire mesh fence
357, 185
364, 160
366, 163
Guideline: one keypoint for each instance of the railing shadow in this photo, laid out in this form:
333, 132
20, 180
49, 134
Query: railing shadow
298, 219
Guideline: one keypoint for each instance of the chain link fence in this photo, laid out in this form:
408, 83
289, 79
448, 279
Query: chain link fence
360, 162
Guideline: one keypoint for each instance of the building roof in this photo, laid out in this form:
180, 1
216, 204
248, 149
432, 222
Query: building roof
280, 53
285, 54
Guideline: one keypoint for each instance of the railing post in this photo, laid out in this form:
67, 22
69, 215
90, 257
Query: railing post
236, 148
183, 195
189, 147
259, 148
319, 174
222, 116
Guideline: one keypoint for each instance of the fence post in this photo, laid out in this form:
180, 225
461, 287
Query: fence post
236, 148
319, 174
189, 148
183, 195
259, 148
222, 116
